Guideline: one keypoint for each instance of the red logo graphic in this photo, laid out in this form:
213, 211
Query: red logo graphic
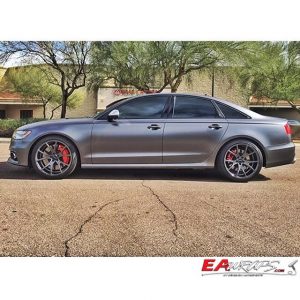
209, 265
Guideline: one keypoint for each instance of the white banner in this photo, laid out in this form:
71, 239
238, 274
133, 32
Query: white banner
147, 278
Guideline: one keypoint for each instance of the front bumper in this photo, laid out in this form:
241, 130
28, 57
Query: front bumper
19, 152
280, 155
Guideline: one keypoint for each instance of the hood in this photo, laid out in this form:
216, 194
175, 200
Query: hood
60, 122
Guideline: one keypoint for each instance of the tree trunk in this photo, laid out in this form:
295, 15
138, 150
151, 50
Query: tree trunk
175, 86
294, 106
53, 110
44, 110
64, 100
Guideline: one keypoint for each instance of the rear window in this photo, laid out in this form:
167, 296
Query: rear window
231, 113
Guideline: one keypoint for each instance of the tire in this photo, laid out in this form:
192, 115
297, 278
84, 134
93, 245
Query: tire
239, 160
54, 157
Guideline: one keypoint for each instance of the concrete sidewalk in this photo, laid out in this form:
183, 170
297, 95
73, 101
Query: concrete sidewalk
4, 140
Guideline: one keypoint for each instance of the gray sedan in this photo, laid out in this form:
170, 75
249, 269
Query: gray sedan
158, 131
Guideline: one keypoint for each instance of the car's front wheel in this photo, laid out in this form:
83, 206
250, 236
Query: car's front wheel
54, 157
240, 160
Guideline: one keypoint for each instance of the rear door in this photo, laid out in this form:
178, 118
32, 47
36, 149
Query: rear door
193, 131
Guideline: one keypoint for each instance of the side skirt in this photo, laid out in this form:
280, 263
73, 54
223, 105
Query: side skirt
146, 166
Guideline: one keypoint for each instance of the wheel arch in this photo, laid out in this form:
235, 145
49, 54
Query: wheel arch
52, 134
250, 139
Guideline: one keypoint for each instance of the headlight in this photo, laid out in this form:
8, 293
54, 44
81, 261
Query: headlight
21, 134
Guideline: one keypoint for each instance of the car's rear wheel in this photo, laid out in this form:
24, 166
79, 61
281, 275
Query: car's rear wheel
54, 157
240, 160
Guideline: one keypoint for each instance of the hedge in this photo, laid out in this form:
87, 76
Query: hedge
8, 126
295, 132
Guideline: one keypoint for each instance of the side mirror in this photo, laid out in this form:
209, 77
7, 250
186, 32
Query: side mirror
113, 115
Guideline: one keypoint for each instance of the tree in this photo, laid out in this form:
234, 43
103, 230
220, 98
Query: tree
32, 84
63, 63
273, 74
146, 65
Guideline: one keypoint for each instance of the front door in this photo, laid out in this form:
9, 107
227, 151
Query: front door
135, 137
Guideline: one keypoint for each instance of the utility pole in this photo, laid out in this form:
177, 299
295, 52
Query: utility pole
213, 82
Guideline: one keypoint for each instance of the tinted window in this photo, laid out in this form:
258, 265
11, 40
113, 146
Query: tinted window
231, 113
194, 107
143, 108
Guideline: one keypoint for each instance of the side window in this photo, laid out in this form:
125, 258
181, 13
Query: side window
187, 107
231, 113
149, 107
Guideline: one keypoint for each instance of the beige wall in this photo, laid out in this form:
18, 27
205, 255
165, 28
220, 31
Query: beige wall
13, 111
86, 107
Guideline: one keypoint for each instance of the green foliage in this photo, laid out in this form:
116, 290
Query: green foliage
33, 84
8, 126
158, 64
273, 72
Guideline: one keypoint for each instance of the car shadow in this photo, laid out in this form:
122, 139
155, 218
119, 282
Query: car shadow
8, 171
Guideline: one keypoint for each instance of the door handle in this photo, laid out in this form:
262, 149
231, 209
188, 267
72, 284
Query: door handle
154, 127
215, 126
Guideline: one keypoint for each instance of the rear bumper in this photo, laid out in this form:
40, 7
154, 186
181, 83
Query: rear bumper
280, 155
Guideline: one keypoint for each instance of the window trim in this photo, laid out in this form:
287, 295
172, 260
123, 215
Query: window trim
164, 114
26, 110
220, 115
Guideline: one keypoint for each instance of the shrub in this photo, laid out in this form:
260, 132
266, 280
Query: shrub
295, 132
8, 126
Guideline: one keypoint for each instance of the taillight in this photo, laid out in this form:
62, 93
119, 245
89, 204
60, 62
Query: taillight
288, 128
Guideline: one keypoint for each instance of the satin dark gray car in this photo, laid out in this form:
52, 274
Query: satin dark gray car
158, 131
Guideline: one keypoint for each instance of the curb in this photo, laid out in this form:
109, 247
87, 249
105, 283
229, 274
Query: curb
4, 140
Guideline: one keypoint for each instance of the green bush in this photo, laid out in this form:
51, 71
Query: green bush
8, 126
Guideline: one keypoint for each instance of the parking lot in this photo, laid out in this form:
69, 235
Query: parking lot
149, 213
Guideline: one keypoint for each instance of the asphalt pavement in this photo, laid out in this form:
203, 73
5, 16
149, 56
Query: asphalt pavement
149, 213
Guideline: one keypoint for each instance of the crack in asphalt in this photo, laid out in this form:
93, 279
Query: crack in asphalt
174, 218
89, 219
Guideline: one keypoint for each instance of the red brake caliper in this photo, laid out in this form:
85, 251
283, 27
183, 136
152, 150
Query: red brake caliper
230, 156
65, 153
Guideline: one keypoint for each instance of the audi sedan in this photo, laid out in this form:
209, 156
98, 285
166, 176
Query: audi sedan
158, 131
